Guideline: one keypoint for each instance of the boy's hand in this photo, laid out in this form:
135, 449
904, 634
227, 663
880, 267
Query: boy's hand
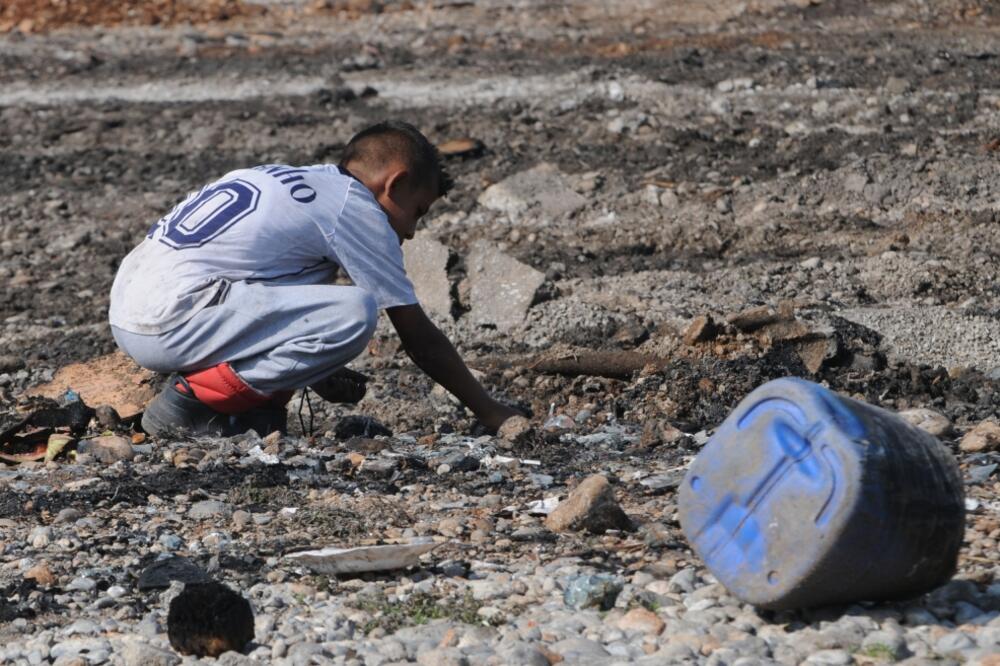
496, 415
433, 353
345, 385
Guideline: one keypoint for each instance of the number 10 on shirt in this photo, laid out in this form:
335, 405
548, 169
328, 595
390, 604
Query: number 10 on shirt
212, 211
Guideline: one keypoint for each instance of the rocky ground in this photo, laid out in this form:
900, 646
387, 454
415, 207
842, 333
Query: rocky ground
675, 202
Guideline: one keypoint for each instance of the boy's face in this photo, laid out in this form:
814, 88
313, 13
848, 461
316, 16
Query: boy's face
405, 203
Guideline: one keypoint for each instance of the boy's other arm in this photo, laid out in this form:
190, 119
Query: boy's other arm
433, 353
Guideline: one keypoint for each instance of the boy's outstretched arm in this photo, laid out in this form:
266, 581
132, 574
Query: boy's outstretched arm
433, 353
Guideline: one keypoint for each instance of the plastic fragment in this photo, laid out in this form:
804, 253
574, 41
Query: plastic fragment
57, 442
365, 558
257, 453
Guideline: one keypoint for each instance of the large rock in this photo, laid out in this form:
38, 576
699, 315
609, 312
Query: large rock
592, 507
815, 350
426, 262
642, 620
592, 591
701, 329
41, 574
541, 190
516, 429
207, 509
135, 652
502, 289
928, 420
113, 380
984, 437
108, 449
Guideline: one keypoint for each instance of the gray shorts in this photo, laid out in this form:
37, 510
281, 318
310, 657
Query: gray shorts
276, 336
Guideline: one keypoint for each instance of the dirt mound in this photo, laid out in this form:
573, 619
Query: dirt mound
43, 15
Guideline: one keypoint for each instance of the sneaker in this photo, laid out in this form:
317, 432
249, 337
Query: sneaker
176, 410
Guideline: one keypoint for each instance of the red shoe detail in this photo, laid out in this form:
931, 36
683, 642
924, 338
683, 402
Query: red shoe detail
221, 388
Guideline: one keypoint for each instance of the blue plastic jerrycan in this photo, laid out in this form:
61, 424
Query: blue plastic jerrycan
805, 498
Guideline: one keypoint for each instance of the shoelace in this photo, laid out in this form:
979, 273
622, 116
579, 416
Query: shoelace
303, 402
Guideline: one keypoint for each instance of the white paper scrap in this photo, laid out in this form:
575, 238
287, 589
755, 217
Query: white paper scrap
387, 557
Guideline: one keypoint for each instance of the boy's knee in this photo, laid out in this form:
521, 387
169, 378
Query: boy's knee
364, 311
146, 351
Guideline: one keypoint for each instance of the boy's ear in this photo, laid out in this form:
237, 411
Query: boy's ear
395, 179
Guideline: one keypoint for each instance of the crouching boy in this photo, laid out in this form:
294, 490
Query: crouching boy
232, 290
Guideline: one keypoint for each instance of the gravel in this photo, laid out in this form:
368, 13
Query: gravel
821, 158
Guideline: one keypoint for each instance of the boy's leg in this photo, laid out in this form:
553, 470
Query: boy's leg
263, 339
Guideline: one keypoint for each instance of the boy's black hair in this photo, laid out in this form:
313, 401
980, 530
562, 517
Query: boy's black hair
394, 138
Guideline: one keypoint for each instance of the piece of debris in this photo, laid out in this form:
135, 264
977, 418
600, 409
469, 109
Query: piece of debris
592, 507
984, 437
74, 416
659, 483
784, 331
595, 591
630, 334
359, 425
257, 453
464, 147
460, 462
928, 420
208, 509
41, 574
815, 351
57, 442
541, 190
108, 449
426, 261
334, 561
107, 417
543, 507
815, 346
558, 423
135, 652
208, 619
366, 445
771, 325
21, 453
752, 319
981, 473
641, 619
895, 85
10, 363
502, 289
113, 380
159, 574
516, 429
657, 433
766, 465
701, 329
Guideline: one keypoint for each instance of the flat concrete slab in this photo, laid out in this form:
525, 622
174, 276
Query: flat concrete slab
426, 262
502, 288
541, 190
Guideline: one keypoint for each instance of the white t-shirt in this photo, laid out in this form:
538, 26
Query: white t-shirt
271, 222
